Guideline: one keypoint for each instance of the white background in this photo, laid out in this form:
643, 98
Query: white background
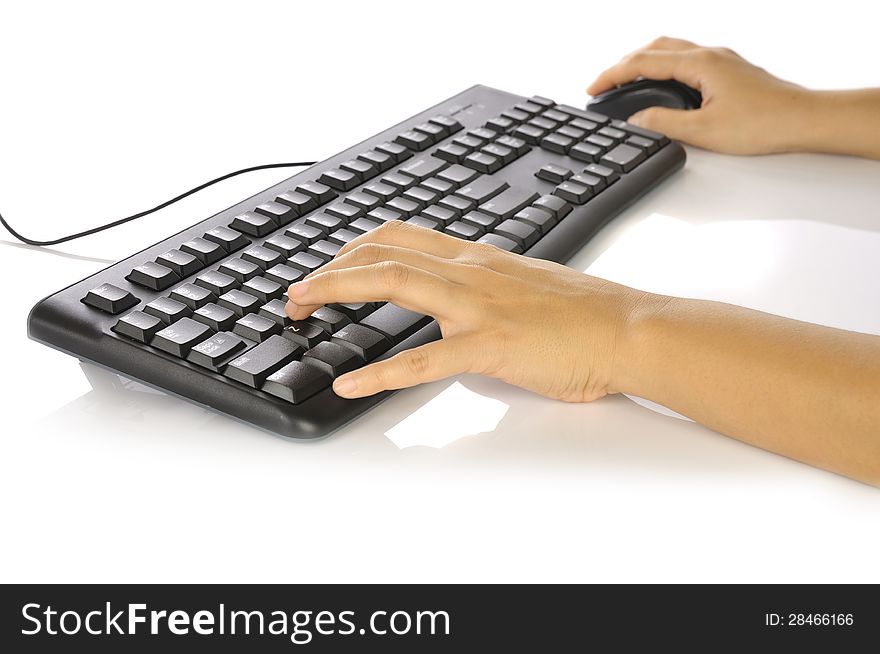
108, 108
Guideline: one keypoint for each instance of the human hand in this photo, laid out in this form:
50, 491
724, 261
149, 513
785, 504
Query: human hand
745, 109
529, 322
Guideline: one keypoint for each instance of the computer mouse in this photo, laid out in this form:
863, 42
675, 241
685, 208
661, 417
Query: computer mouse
627, 99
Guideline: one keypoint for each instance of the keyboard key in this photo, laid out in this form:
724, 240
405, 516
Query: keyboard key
328, 319
483, 189
308, 234
440, 215
382, 191
256, 328
505, 154
255, 365
356, 311
499, 124
240, 269
555, 205
346, 211
167, 309
332, 358
519, 146
470, 143
395, 322
153, 275
214, 352
296, 382
485, 135
436, 132
281, 214
414, 140
229, 239
381, 161
640, 131
341, 180
542, 101
325, 222
439, 186
139, 326
192, 296
580, 113
557, 143
274, 310
216, 317
529, 107
601, 141
458, 175
283, 274
501, 242
383, 215
423, 222
544, 124
553, 173
540, 218
305, 262
590, 181
216, 282
179, 337
395, 150
364, 201
449, 124
304, 334
530, 133
483, 162
613, 133
585, 152
262, 257
263, 289
573, 192
183, 263
325, 249
523, 233
399, 181
299, 203
452, 152
205, 251
363, 341
284, 245
624, 158
557, 116
422, 168
421, 196
320, 193
508, 202
360, 168
571, 132
239, 302
483, 221
403, 206
604, 172
464, 230
253, 224
458, 205
649, 146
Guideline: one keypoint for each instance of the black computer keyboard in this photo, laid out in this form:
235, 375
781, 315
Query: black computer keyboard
201, 314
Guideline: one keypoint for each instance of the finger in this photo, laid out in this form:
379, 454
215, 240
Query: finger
370, 254
678, 124
430, 362
398, 233
654, 64
669, 43
406, 286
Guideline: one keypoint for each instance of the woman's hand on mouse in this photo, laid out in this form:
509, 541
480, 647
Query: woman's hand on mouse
745, 109
532, 323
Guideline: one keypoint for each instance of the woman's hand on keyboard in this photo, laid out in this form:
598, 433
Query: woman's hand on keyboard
745, 109
532, 323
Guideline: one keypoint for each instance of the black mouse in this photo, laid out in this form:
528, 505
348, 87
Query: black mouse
627, 99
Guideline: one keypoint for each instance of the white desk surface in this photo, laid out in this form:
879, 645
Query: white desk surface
462, 480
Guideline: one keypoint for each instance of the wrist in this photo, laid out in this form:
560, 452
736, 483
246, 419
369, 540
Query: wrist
631, 369
808, 119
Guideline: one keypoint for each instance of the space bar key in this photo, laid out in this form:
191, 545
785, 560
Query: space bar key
395, 322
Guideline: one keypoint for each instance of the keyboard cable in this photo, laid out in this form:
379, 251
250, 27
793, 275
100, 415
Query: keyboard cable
122, 221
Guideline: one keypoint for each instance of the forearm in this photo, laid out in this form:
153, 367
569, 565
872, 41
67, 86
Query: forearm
802, 390
839, 122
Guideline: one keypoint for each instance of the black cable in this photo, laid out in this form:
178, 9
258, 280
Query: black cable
122, 221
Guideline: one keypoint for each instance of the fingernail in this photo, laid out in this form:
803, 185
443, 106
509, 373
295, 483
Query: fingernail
298, 290
344, 386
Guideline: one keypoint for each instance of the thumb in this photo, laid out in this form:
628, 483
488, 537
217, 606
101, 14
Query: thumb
678, 124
